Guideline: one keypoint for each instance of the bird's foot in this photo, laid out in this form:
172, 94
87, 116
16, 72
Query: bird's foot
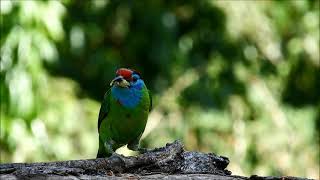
117, 158
118, 162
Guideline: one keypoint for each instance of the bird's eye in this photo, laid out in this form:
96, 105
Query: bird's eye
135, 78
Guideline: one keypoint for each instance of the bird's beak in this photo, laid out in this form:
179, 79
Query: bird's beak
120, 81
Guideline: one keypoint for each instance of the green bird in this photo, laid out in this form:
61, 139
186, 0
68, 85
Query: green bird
124, 113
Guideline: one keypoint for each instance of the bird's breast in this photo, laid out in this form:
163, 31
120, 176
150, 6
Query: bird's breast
127, 97
128, 115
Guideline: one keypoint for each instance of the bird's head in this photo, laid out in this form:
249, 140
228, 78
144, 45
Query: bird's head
125, 78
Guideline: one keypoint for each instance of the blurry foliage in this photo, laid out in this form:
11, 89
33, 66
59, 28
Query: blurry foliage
238, 78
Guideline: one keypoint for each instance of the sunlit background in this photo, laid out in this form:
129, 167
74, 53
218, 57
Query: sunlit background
237, 78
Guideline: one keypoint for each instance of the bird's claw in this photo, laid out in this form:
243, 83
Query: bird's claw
118, 162
116, 158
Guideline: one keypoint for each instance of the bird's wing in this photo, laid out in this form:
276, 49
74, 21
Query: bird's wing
150, 98
105, 107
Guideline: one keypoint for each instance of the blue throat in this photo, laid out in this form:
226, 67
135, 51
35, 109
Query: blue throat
128, 97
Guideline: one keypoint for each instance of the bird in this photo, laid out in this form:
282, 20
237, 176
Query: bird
123, 113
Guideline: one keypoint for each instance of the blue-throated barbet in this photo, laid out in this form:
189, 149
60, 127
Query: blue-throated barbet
124, 112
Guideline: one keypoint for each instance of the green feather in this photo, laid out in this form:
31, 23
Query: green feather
104, 109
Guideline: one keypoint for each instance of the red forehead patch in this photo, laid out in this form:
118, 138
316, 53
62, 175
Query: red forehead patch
126, 73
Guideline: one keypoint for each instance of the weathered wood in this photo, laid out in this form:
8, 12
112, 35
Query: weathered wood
169, 162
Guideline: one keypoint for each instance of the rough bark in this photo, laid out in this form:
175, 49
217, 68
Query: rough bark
171, 161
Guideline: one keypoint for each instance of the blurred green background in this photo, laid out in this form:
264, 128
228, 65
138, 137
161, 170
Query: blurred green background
237, 78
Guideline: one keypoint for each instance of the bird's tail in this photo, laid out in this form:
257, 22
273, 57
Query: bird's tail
102, 153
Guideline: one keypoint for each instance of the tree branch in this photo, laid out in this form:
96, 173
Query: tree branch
169, 161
